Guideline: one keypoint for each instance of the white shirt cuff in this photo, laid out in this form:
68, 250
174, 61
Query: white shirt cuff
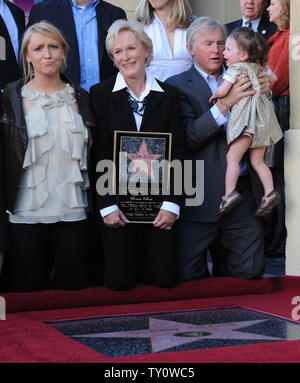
166, 205
172, 207
218, 116
107, 210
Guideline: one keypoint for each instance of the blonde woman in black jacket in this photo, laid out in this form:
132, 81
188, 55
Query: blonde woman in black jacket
45, 146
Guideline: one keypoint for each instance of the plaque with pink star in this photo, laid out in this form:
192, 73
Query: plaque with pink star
142, 163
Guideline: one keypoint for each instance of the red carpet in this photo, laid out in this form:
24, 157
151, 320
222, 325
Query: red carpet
24, 338
101, 296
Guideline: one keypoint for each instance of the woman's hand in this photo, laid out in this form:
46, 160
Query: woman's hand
115, 219
164, 220
239, 91
264, 83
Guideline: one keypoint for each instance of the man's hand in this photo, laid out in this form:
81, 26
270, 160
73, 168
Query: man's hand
164, 220
264, 83
115, 219
239, 91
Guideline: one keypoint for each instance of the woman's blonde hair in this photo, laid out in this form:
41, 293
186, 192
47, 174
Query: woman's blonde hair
284, 21
180, 17
131, 26
45, 29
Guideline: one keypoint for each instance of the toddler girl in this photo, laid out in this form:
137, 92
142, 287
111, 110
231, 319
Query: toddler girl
252, 123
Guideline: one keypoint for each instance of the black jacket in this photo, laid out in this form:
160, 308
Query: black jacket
112, 112
59, 13
13, 145
265, 27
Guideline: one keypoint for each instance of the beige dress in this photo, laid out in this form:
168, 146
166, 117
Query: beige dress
55, 180
254, 115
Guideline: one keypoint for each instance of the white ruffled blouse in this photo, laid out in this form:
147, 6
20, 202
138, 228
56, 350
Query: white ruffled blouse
53, 187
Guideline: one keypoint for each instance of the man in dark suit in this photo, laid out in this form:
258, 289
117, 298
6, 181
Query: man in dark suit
84, 24
239, 231
255, 17
12, 25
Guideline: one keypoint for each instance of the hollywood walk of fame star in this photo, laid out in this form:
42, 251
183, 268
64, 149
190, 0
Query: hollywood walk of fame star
165, 334
142, 162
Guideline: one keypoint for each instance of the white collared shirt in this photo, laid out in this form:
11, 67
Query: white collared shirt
255, 23
151, 85
213, 84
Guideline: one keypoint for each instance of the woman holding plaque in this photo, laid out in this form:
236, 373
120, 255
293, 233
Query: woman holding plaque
134, 101
45, 144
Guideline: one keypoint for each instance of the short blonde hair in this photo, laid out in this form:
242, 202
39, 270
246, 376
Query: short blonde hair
284, 21
131, 26
180, 18
45, 29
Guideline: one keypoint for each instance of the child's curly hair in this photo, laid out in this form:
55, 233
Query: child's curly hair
251, 42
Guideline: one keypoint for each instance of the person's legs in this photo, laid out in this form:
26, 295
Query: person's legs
194, 239
29, 263
263, 171
271, 197
120, 256
161, 256
242, 238
234, 156
69, 246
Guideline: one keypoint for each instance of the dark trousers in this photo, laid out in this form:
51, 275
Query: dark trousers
122, 249
42, 250
235, 241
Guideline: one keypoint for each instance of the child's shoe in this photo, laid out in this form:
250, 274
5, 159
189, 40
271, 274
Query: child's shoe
267, 204
229, 202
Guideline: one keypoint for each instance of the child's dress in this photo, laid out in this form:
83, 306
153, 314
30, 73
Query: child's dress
254, 115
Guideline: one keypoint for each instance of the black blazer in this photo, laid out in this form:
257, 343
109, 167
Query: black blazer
9, 68
113, 112
59, 13
266, 28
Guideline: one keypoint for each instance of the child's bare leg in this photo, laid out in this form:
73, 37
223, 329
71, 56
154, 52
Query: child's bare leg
236, 151
263, 171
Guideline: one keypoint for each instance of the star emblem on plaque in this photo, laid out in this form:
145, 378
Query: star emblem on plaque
142, 161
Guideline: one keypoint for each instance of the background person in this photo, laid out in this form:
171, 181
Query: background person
157, 110
12, 25
278, 61
255, 17
84, 23
44, 127
166, 22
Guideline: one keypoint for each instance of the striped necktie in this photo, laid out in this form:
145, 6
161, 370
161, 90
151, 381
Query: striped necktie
248, 24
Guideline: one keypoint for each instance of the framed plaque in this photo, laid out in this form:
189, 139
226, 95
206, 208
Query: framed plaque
142, 173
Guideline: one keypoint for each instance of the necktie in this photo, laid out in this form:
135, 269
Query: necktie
136, 106
249, 24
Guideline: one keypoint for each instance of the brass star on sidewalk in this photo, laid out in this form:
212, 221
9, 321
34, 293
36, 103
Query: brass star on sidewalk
165, 334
